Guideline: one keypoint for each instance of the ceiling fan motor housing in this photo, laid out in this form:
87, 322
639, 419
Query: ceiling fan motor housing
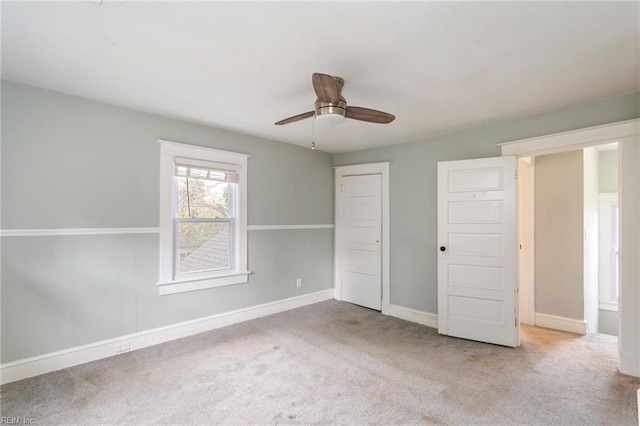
324, 108
332, 113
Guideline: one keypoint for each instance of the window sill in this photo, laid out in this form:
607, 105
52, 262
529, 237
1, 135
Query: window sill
181, 286
608, 305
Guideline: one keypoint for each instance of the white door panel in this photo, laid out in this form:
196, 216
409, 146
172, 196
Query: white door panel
476, 277
480, 245
477, 272
360, 210
480, 179
364, 235
476, 211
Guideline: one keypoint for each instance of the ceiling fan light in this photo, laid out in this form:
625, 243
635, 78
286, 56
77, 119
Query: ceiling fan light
330, 119
331, 114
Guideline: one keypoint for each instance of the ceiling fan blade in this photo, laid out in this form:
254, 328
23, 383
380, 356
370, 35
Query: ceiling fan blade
326, 88
295, 118
370, 115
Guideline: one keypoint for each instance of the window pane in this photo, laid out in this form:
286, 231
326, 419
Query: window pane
203, 246
202, 198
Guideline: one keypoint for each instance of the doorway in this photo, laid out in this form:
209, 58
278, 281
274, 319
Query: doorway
566, 276
626, 134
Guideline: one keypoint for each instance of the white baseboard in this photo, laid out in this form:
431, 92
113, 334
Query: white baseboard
561, 323
29, 367
542, 320
413, 315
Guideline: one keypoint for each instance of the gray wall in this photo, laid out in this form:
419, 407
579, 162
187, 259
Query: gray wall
413, 185
559, 250
608, 173
69, 162
608, 322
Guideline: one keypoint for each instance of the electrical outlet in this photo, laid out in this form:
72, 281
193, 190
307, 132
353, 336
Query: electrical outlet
298, 282
123, 346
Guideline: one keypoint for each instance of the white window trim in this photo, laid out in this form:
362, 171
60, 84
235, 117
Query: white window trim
238, 274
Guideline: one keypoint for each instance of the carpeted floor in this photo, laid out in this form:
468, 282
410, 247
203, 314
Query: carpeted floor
336, 363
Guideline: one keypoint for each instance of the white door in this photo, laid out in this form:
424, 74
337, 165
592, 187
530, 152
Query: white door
360, 231
477, 250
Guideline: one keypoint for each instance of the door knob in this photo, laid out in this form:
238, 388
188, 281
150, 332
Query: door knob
442, 248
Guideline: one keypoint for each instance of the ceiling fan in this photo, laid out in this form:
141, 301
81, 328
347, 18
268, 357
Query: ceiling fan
331, 107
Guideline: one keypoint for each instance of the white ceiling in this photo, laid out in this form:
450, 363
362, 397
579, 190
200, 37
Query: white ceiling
439, 67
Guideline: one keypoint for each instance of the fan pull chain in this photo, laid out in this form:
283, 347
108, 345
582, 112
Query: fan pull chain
313, 133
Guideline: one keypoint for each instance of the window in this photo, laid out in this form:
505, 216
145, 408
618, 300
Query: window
203, 240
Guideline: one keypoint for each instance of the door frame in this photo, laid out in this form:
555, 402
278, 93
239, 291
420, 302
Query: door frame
626, 133
382, 169
526, 224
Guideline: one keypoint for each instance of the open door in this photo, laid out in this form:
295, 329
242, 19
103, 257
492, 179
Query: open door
477, 246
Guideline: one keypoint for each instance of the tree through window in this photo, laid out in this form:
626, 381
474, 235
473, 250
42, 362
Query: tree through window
204, 218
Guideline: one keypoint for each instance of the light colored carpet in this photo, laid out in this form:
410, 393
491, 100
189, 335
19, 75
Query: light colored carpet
333, 362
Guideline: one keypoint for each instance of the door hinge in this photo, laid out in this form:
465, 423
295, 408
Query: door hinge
341, 187
516, 174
